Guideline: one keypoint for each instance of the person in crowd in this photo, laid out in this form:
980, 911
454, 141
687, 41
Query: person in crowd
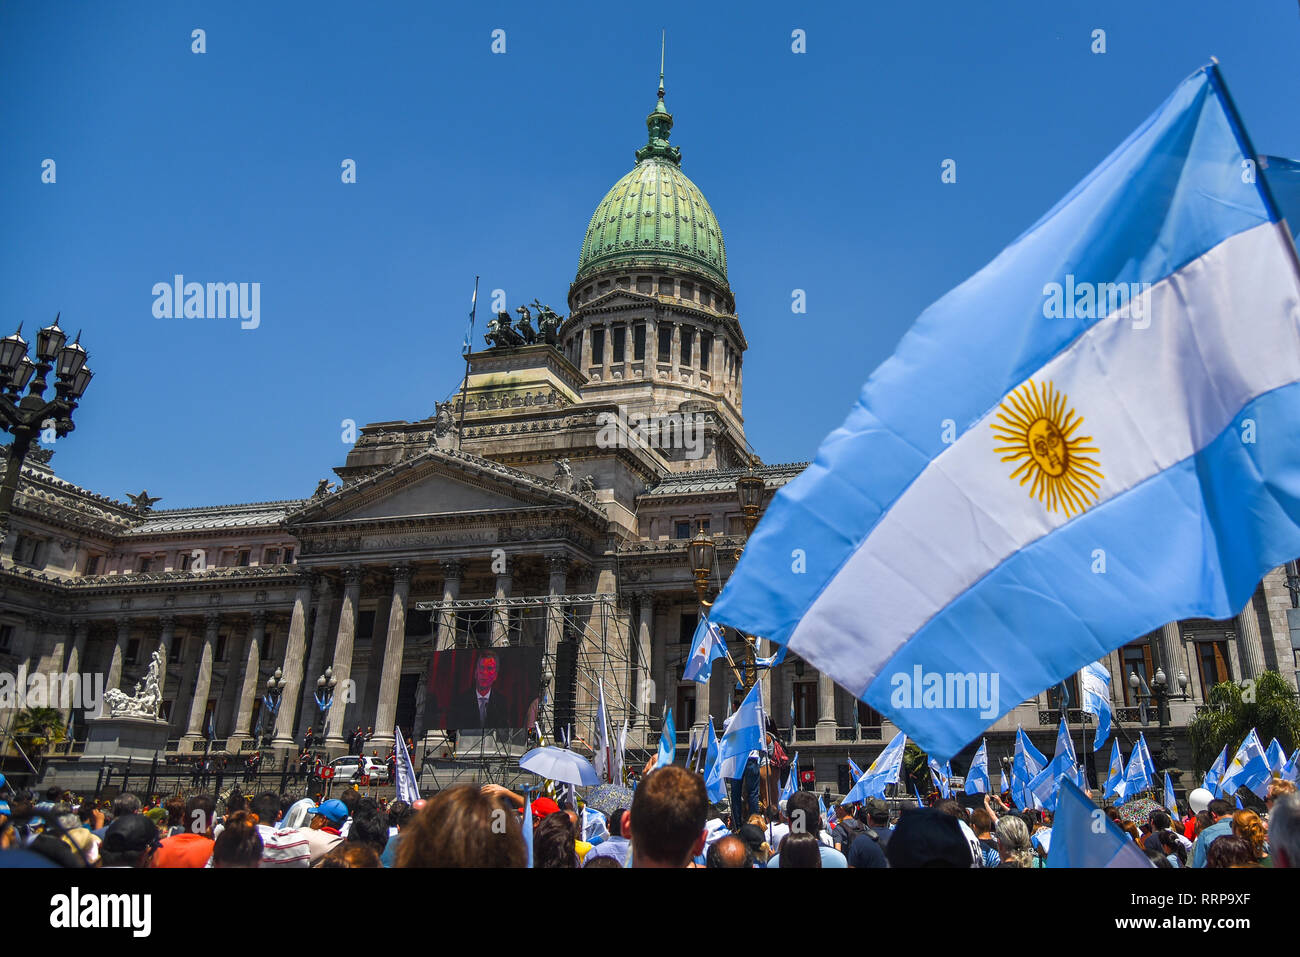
1248, 826
349, 854
463, 826
1228, 850
800, 849
1219, 811
399, 814
124, 804
1014, 847
666, 821
1284, 830
930, 837
129, 841
239, 844
553, 842
615, 846
192, 847
981, 822
369, 827
847, 828
1161, 823
730, 852
805, 817
175, 808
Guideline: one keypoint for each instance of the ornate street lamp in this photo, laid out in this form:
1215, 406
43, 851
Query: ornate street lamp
1162, 694
701, 551
25, 416
750, 489
325, 685
270, 705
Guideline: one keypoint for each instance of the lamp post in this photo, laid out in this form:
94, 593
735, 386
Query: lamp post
325, 685
26, 416
1162, 694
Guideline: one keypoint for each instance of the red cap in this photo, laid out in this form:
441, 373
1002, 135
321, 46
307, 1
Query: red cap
544, 806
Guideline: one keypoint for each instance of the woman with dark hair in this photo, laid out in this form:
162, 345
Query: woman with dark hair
1229, 851
1172, 848
239, 844
553, 842
463, 827
800, 849
175, 807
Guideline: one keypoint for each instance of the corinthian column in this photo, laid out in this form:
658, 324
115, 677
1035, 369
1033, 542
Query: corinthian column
390, 677
343, 643
292, 667
452, 570
559, 574
114, 676
1250, 642
200, 703
252, 667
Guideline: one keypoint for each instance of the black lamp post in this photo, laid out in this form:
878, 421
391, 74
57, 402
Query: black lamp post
1162, 694
325, 685
25, 416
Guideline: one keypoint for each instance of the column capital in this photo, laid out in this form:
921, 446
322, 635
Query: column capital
322, 584
401, 573
352, 575
452, 568
166, 622
212, 620
81, 627
124, 623
259, 618
558, 562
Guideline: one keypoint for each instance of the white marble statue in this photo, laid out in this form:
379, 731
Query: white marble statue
147, 702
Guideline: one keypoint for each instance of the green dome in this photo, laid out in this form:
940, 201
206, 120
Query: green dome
655, 216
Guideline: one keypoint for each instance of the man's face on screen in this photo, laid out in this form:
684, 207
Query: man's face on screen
485, 674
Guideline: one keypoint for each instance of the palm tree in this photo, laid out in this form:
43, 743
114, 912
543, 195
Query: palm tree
1269, 707
37, 729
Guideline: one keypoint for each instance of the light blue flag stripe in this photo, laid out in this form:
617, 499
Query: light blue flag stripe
1082, 836
1206, 516
667, 741
1283, 176
977, 776
1170, 193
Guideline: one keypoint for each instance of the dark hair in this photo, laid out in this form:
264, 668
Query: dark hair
1219, 807
669, 809
200, 813
951, 808
604, 860
236, 802
1160, 820
1112, 812
350, 799
981, 820
730, 852
1228, 850
1157, 858
398, 813
455, 829
366, 803
616, 822
287, 801
126, 803
349, 854
369, 827
804, 814
553, 842
1170, 844
267, 808
1203, 820
239, 844
175, 807
800, 849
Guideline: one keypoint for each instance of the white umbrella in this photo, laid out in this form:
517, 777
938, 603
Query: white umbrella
559, 764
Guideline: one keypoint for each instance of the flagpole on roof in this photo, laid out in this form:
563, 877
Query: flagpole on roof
469, 347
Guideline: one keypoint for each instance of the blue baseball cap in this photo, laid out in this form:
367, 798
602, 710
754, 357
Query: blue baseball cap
334, 809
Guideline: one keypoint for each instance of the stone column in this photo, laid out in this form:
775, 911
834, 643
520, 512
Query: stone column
252, 673
452, 570
54, 637
659, 655
1171, 644
375, 660
292, 668
344, 640
558, 566
825, 708
676, 354
1250, 642
76, 655
114, 677
204, 680
765, 649
166, 636
500, 634
319, 641
390, 676
643, 694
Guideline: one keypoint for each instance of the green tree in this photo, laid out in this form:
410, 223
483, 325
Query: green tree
38, 729
1269, 706
916, 769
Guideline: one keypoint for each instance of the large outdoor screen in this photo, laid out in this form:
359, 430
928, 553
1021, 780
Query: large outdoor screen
483, 688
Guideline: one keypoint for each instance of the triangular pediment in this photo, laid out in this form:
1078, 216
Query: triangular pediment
438, 483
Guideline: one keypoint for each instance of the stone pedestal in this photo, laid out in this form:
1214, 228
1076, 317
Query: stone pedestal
117, 739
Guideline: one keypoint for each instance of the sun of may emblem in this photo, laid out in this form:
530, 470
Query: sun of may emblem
1039, 433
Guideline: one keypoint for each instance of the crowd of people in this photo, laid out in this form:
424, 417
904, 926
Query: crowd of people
669, 823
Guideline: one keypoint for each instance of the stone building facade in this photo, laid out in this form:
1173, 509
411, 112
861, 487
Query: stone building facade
549, 504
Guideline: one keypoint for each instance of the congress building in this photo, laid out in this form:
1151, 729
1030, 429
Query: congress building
589, 482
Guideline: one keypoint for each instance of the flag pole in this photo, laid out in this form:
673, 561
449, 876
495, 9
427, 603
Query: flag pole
469, 347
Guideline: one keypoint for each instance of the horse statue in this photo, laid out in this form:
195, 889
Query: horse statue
525, 325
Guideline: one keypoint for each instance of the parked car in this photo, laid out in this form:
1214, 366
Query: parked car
345, 769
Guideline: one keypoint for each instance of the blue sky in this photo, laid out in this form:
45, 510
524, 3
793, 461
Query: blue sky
823, 169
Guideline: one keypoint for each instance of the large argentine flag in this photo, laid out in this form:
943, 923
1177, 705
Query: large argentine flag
1050, 465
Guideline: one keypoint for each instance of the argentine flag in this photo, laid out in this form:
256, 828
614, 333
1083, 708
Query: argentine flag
1094, 685
977, 776
882, 772
1248, 768
667, 741
1215, 774
713, 767
1092, 395
706, 647
1114, 787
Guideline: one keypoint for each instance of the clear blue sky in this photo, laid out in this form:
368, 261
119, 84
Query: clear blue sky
823, 169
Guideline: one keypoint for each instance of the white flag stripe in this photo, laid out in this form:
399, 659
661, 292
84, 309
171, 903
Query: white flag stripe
1231, 317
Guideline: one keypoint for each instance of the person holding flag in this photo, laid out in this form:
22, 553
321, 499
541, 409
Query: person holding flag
738, 754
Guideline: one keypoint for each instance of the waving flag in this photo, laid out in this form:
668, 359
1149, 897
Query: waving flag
1171, 800
1248, 768
713, 782
883, 772
1002, 782
939, 778
1063, 764
742, 734
1094, 686
667, 741
792, 780
855, 772
1275, 756
1028, 762
706, 647
528, 824
1292, 766
1115, 778
1084, 837
407, 788
1215, 774
1097, 371
602, 759
977, 776
1137, 777
619, 753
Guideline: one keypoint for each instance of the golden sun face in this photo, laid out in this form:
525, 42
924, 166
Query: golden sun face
1038, 432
